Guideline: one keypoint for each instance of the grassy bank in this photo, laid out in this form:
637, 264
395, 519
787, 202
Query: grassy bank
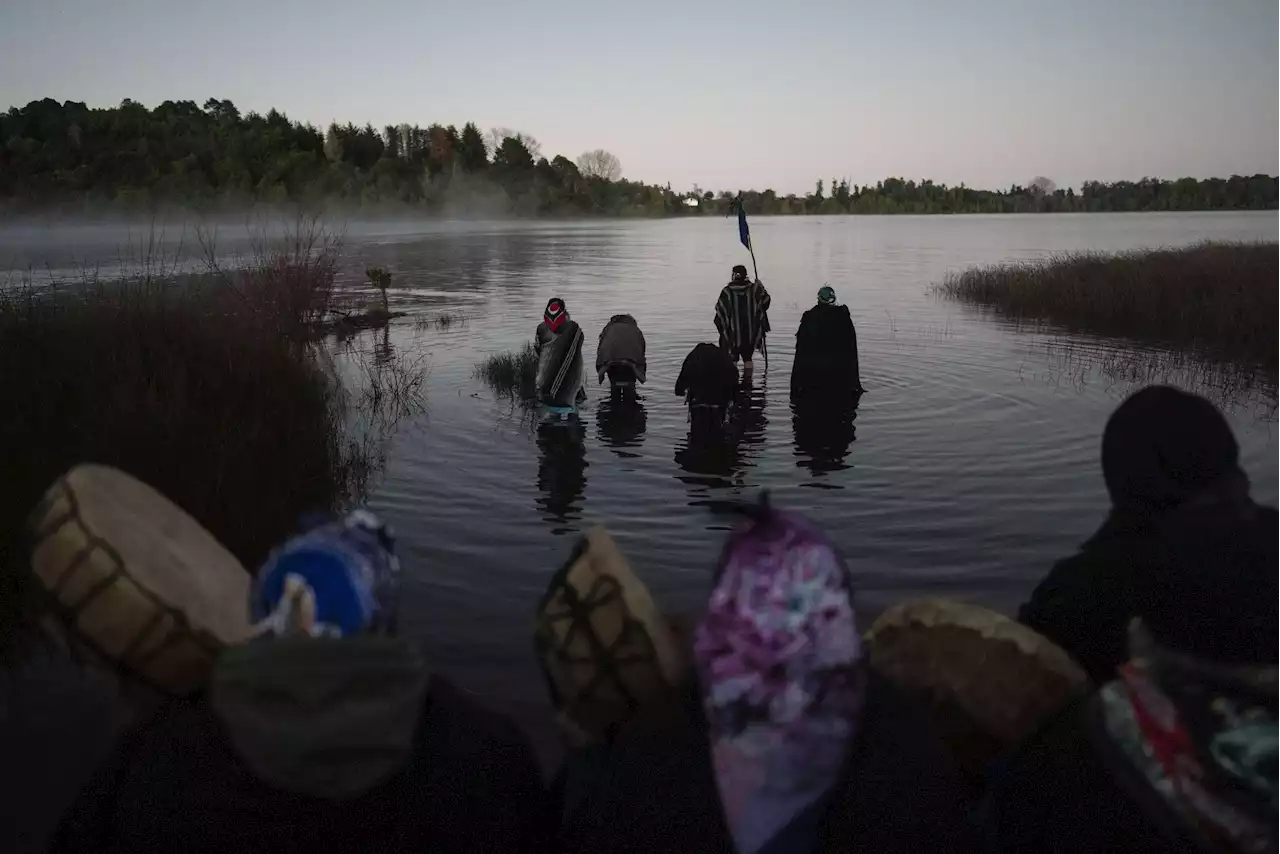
1214, 300
202, 386
511, 374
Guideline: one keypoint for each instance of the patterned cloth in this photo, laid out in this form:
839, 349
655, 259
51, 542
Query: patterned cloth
780, 663
826, 295
1204, 737
340, 578
555, 314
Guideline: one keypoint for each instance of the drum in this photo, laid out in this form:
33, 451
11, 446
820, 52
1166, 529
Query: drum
988, 681
604, 649
135, 579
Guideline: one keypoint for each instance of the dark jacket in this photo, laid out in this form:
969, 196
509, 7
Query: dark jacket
621, 342
1183, 569
708, 376
59, 720
654, 790
1068, 790
826, 352
311, 745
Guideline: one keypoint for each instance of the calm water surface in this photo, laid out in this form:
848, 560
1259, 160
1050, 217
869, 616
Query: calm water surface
971, 465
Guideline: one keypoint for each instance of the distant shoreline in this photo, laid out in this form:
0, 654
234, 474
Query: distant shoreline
53, 218
65, 159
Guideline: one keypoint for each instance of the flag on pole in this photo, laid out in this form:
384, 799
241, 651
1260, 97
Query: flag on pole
744, 233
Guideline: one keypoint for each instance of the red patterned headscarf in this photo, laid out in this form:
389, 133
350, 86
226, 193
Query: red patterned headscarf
555, 314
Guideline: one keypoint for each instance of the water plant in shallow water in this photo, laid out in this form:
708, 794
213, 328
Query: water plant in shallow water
380, 279
513, 373
1217, 301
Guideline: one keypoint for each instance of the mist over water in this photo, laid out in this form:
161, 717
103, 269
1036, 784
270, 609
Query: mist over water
969, 466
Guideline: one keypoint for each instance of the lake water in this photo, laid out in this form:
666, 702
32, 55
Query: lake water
972, 463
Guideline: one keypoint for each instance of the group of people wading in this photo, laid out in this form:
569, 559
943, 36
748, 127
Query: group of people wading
825, 366
1132, 706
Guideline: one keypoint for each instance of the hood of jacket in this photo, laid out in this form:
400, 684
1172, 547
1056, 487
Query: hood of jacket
330, 718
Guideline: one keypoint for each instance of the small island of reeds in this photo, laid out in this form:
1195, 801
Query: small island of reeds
511, 374
1216, 301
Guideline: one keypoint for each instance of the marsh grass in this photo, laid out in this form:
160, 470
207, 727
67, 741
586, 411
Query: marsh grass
203, 386
512, 374
1076, 363
1217, 301
442, 321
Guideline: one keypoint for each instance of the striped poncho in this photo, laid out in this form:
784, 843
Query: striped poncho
742, 315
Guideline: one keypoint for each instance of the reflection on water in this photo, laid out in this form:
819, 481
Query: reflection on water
384, 352
718, 460
620, 422
823, 429
562, 475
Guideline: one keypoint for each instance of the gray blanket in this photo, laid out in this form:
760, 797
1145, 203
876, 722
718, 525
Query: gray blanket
621, 341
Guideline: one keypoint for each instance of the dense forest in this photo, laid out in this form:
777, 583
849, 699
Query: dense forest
69, 158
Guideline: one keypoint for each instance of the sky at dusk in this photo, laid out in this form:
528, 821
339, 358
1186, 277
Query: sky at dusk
725, 95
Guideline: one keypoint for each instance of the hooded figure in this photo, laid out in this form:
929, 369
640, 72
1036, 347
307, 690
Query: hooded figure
620, 355
1180, 512
742, 316
786, 740
558, 342
826, 359
708, 382
324, 732
553, 318
1176, 754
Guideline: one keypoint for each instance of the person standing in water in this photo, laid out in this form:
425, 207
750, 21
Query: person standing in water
742, 316
826, 350
559, 368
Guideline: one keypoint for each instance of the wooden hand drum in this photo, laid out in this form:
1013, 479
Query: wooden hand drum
988, 681
137, 580
604, 648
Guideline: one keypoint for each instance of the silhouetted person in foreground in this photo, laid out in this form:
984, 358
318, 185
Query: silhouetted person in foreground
742, 317
785, 740
1181, 520
826, 359
1177, 754
708, 382
326, 732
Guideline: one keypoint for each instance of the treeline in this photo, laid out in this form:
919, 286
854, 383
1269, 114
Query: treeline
73, 159
898, 196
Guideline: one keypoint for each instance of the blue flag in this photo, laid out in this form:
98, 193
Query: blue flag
744, 233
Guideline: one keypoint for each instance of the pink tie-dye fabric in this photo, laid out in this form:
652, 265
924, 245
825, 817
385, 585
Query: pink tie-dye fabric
779, 658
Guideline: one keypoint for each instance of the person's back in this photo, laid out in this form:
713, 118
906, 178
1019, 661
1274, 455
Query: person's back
826, 357
1181, 508
708, 377
742, 316
326, 733
621, 351
1176, 754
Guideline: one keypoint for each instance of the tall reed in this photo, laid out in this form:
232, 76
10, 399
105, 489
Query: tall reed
1216, 300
